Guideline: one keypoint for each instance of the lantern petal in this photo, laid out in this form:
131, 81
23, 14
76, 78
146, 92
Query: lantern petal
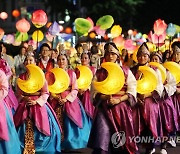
54, 29
105, 22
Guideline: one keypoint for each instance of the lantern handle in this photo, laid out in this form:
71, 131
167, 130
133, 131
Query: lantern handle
37, 37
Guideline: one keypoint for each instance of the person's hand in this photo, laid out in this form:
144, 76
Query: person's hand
178, 90
26, 98
81, 91
62, 101
31, 103
105, 97
114, 101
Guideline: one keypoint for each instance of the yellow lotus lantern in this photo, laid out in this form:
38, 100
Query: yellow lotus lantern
116, 31
148, 82
35, 81
174, 68
62, 81
85, 78
37, 36
114, 81
161, 69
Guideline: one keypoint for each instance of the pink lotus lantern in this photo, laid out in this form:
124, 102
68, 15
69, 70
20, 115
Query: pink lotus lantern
91, 21
23, 25
159, 27
1, 33
39, 18
128, 44
9, 39
119, 41
49, 37
159, 40
3, 15
99, 31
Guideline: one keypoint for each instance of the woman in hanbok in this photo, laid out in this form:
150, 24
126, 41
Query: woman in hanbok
113, 114
9, 141
167, 109
35, 120
149, 109
84, 95
70, 112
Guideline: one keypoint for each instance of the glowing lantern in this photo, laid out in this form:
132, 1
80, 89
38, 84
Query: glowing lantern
112, 84
23, 25
9, 39
39, 18
49, 37
85, 78
105, 22
1, 33
61, 82
35, 81
119, 41
116, 31
37, 35
92, 35
99, 31
151, 46
161, 69
92, 23
15, 43
148, 82
54, 28
106, 37
48, 24
128, 44
21, 37
171, 30
159, 27
157, 39
177, 28
174, 69
15, 13
68, 30
3, 15
135, 55
33, 44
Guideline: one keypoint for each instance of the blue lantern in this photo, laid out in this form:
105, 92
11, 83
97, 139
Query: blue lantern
171, 30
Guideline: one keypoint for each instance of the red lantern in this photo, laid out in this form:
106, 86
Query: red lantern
23, 25
39, 18
68, 30
159, 27
1, 33
3, 15
106, 37
15, 13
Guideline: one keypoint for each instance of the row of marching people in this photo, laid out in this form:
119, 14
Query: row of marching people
50, 123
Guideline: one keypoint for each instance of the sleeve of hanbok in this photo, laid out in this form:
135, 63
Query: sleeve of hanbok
3, 85
74, 90
170, 86
160, 87
44, 95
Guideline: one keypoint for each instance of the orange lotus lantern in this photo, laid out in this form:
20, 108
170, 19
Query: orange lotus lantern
15, 13
92, 35
68, 30
39, 18
23, 25
1, 33
159, 27
3, 15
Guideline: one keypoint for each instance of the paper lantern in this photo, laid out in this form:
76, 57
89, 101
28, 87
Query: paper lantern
92, 23
105, 22
23, 25
174, 69
171, 30
114, 81
3, 15
54, 29
128, 44
157, 39
82, 26
68, 30
49, 37
1, 33
15, 13
119, 41
33, 44
92, 35
39, 18
85, 78
35, 81
48, 24
37, 36
159, 27
161, 69
151, 46
21, 37
99, 31
62, 81
148, 82
116, 31
9, 39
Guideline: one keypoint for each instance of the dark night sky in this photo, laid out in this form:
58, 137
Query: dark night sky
167, 10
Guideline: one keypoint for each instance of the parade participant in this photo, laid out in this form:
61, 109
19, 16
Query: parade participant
113, 112
9, 141
149, 103
70, 112
167, 109
35, 120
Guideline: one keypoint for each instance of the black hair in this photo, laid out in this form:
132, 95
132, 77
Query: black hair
176, 43
44, 45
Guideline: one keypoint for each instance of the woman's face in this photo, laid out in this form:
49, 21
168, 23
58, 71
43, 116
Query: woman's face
143, 59
23, 51
85, 59
111, 57
177, 57
29, 60
62, 61
155, 59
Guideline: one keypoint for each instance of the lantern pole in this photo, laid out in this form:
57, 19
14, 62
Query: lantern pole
158, 42
37, 38
170, 39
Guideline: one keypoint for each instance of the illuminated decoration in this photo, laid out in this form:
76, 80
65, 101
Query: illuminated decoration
9, 39
177, 28
21, 37
105, 22
116, 30
114, 81
23, 25
68, 30
37, 35
49, 37
85, 78
3, 15
119, 41
92, 23
82, 26
151, 46
35, 81
15, 13
39, 18
134, 57
92, 35
61, 82
48, 24
106, 37
99, 31
161, 69
174, 69
171, 30
54, 29
159, 27
128, 44
16, 43
1, 33
33, 44
159, 40
148, 82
